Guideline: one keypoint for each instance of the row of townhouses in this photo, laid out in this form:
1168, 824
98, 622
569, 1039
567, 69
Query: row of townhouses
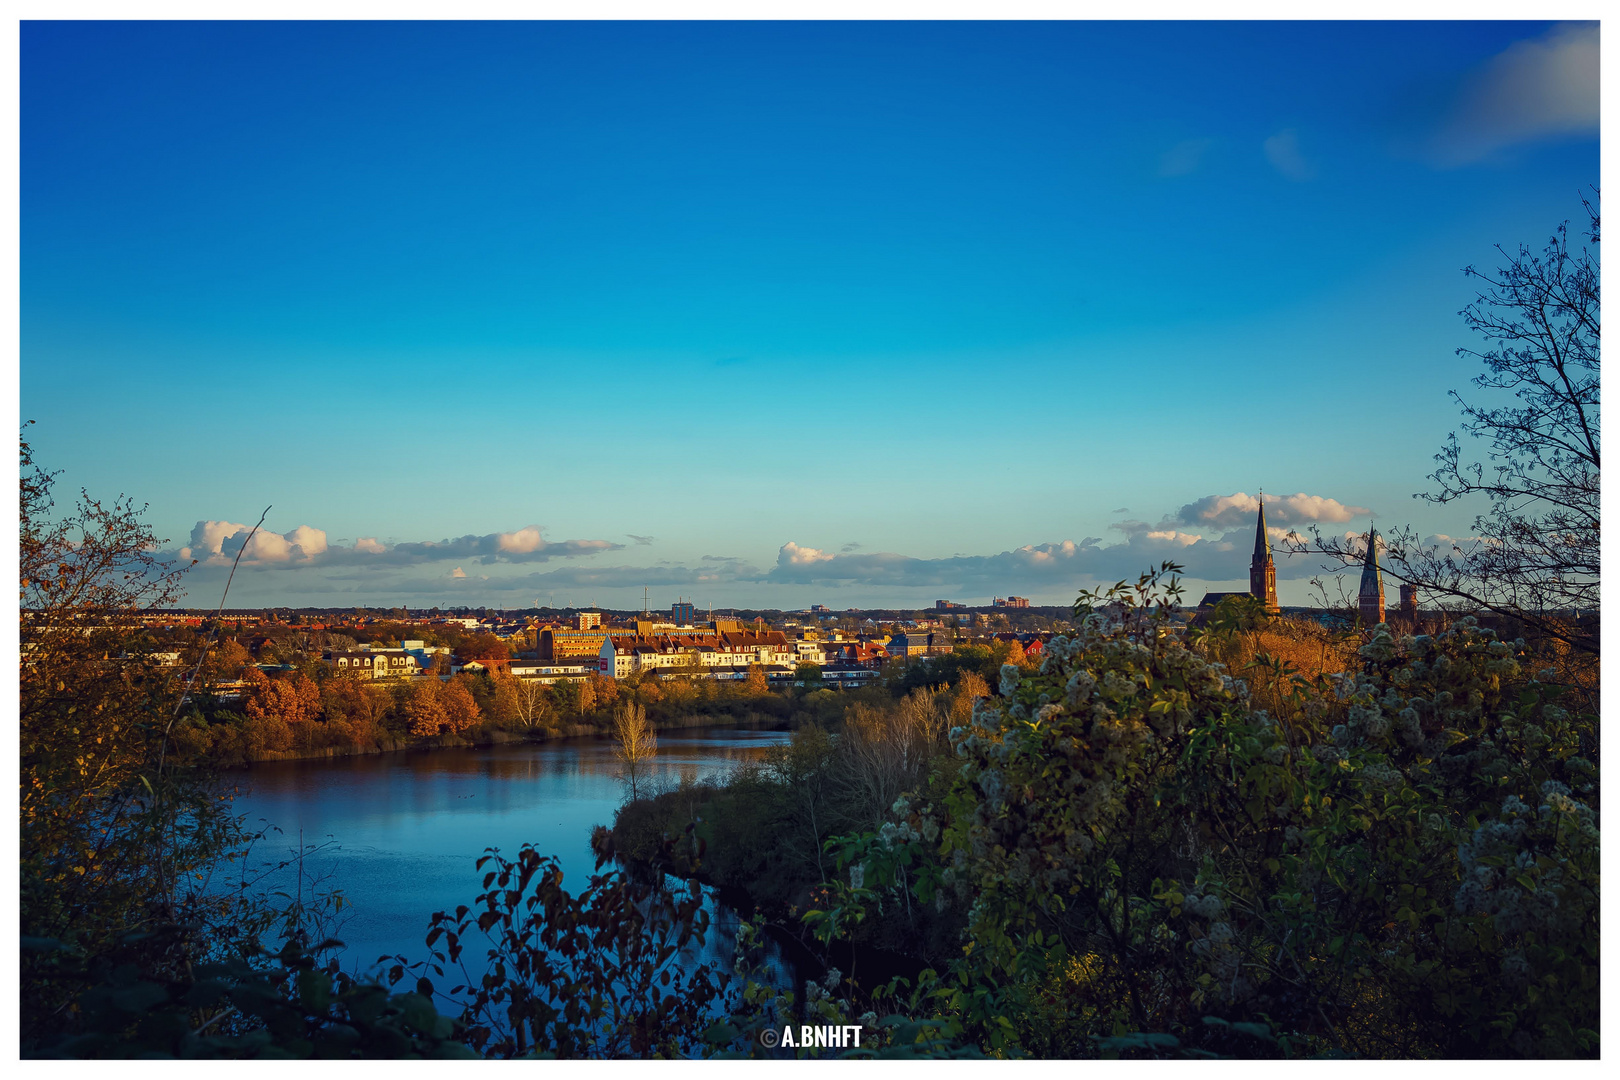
696, 652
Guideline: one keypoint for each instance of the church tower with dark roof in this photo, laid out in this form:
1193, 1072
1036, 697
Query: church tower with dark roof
1371, 598
1262, 571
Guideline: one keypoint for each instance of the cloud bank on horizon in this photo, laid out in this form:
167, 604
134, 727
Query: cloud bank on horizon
217, 543
1211, 537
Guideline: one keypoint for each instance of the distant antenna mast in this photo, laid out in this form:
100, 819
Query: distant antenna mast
644, 601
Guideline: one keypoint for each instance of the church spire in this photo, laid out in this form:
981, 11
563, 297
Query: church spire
1371, 597
1262, 571
1262, 543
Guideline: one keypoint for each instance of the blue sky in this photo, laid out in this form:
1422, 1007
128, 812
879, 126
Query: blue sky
767, 314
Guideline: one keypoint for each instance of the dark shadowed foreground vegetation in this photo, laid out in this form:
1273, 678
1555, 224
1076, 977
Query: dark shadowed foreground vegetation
1130, 850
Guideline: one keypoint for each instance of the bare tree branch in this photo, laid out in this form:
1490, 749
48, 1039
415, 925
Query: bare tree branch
1535, 555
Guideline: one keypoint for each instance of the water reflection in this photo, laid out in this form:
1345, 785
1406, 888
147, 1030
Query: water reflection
403, 831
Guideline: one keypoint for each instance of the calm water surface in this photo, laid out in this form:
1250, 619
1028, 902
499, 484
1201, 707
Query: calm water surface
403, 831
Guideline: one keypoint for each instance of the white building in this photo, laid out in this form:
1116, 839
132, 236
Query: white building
375, 663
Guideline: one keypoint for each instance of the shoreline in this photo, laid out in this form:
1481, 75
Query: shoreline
501, 737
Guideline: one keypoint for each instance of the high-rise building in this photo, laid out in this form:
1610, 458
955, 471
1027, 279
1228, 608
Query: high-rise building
1262, 570
682, 613
1371, 597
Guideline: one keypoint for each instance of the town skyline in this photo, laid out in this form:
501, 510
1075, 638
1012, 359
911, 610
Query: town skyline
498, 315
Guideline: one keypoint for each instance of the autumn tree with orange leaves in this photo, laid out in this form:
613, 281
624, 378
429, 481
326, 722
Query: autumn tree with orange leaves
424, 709
295, 700
435, 708
461, 712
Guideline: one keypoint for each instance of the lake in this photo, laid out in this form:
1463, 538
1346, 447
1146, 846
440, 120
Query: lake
400, 833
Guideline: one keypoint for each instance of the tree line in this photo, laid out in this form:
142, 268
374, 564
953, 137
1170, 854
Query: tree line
314, 708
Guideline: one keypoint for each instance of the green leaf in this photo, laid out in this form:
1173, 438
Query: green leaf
314, 989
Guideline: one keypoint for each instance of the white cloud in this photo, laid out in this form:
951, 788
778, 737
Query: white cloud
1540, 88
1282, 150
458, 572
370, 545
1184, 157
267, 547
525, 540
208, 537
1047, 553
1171, 535
217, 542
310, 541
794, 555
1228, 511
